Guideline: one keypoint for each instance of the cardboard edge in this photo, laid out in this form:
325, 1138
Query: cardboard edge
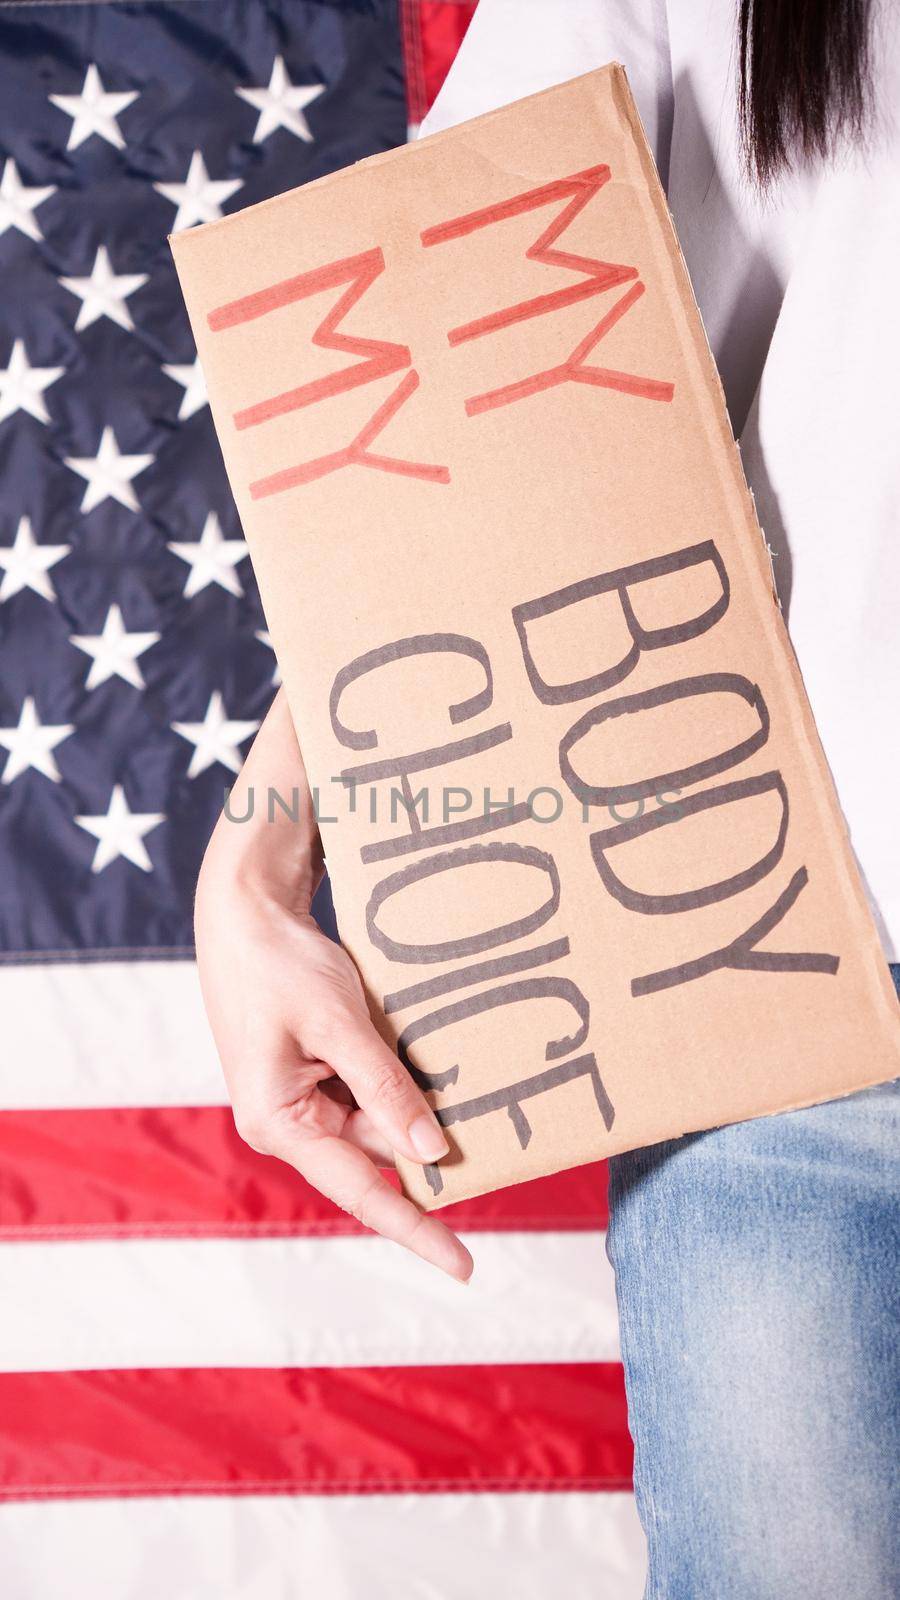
757, 561
400, 152
433, 1204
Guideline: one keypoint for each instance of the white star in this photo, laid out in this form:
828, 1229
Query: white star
109, 473
26, 563
103, 294
30, 744
212, 559
193, 383
94, 111
18, 203
22, 386
281, 105
263, 637
215, 738
200, 198
115, 651
121, 832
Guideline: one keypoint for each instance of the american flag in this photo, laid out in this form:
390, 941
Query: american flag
212, 1383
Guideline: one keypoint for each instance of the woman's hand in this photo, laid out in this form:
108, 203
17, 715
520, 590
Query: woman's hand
311, 1080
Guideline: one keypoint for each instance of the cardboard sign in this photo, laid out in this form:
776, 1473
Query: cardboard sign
584, 845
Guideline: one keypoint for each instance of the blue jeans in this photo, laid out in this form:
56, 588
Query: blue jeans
757, 1280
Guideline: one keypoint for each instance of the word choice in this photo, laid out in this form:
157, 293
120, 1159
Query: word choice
448, 850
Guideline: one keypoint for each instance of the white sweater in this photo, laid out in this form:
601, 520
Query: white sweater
800, 294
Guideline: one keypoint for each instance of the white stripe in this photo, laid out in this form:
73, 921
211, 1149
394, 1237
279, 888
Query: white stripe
431, 1546
130, 1033
302, 1302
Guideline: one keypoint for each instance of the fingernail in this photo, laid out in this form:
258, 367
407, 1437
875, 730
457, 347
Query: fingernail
427, 1138
463, 1270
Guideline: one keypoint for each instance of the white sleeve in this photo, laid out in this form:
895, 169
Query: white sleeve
517, 47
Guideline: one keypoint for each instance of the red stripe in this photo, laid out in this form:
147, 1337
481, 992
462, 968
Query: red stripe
432, 31
182, 1170
313, 1431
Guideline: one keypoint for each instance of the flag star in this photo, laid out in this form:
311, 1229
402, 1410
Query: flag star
26, 563
200, 198
212, 559
120, 832
104, 293
18, 203
109, 473
282, 104
193, 383
215, 738
94, 111
22, 386
264, 638
31, 743
114, 651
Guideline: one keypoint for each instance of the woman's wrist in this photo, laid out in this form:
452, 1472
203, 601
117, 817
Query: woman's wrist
260, 864
266, 845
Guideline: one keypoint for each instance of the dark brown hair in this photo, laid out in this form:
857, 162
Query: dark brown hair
803, 79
